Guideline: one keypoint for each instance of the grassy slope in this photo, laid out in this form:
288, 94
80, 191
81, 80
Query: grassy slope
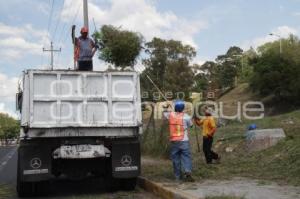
280, 163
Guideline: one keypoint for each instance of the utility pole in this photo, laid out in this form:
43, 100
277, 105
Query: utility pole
51, 50
85, 13
280, 41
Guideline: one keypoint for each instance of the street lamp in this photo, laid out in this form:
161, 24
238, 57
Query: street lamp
242, 60
280, 38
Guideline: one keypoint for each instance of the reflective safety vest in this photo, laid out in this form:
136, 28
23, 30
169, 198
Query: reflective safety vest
176, 126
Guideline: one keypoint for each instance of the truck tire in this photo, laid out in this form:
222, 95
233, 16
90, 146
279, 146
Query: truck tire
128, 184
24, 189
111, 184
29, 189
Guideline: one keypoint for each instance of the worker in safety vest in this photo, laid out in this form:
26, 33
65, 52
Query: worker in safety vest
85, 49
208, 130
179, 127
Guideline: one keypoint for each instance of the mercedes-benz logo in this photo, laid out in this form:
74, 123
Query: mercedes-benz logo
126, 160
35, 163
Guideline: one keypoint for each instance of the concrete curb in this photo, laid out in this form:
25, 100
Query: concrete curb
160, 190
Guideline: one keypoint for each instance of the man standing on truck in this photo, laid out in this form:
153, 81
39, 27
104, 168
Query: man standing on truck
208, 130
179, 127
85, 49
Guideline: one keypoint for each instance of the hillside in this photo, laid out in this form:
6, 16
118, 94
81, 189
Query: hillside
280, 163
242, 93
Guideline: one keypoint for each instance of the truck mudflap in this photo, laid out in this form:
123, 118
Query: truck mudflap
33, 165
126, 158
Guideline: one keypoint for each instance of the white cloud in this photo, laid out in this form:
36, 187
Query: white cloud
199, 60
8, 89
282, 31
297, 14
19, 41
4, 109
140, 16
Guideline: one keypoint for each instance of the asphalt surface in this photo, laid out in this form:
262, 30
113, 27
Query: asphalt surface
84, 189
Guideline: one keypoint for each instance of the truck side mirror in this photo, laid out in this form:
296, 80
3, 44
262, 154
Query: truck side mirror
19, 97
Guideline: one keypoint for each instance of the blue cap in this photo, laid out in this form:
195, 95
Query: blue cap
179, 106
252, 127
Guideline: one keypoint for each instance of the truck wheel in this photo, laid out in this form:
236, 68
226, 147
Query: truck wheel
128, 184
28, 189
25, 189
111, 184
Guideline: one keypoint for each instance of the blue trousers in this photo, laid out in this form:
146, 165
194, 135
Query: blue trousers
181, 157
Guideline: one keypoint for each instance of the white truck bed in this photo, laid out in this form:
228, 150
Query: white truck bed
64, 99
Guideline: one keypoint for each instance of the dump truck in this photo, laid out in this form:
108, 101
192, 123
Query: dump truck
77, 124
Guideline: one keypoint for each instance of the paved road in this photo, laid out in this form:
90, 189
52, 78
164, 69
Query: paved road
87, 189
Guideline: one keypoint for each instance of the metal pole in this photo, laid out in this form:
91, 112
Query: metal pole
51, 51
85, 13
280, 40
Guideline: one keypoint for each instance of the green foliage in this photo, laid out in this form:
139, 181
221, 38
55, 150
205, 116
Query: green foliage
9, 127
155, 141
246, 71
228, 66
278, 74
200, 82
168, 67
118, 47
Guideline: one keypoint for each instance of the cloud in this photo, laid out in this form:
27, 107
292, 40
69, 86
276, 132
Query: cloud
4, 109
140, 16
199, 60
297, 14
8, 89
19, 41
282, 31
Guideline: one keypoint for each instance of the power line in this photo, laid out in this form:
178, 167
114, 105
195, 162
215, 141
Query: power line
48, 27
68, 31
72, 22
50, 17
58, 20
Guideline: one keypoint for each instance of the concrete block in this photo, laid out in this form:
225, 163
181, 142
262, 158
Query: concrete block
260, 139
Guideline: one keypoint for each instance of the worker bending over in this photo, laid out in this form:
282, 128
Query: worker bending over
179, 127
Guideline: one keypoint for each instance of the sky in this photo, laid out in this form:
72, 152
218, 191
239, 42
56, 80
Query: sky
211, 26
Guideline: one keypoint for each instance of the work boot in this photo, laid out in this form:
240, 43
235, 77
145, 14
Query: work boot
188, 177
218, 161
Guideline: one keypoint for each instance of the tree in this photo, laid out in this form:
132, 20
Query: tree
200, 82
229, 66
276, 73
118, 47
168, 66
9, 127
